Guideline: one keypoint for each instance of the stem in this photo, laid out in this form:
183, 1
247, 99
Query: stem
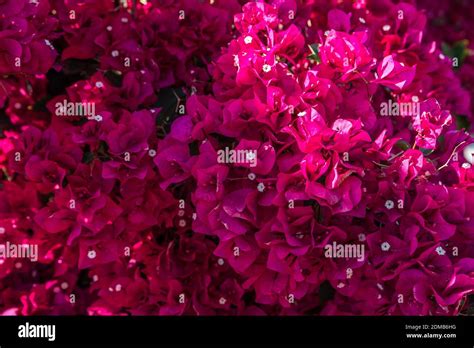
452, 153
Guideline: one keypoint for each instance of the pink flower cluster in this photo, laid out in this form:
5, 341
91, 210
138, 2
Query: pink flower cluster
211, 157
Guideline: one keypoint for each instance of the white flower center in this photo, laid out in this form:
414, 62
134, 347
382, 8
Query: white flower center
385, 246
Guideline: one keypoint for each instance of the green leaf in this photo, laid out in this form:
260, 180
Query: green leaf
103, 152
458, 50
169, 99
115, 77
403, 145
426, 152
314, 48
462, 122
88, 157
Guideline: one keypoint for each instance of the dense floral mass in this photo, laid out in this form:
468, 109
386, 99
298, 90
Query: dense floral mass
237, 157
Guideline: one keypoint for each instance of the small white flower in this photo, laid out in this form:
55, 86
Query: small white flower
389, 204
222, 301
466, 165
152, 153
261, 187
415, 99
362, 20
91, 254
380, 286
385, 246
2, 230
109, 28
440, 251
248, 40
182, 223
266, 68
386, 27
252, 176
118, 287
220, 262
18, 265
124, 20
114, 53
64, 285
361, 237
95, 277
468, 153
99, 84
98, 118
341, 285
